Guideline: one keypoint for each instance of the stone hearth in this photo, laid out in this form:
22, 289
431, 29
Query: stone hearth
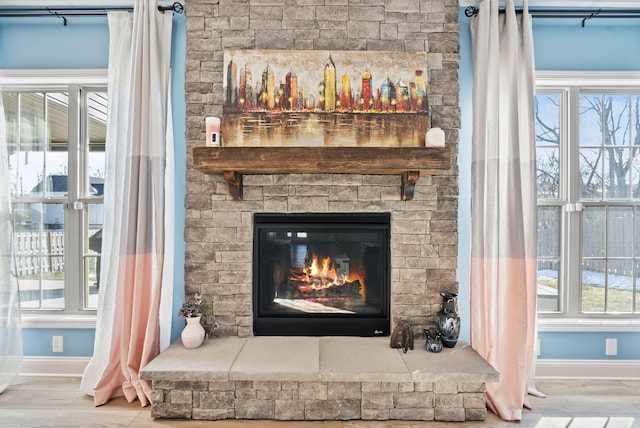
318, 378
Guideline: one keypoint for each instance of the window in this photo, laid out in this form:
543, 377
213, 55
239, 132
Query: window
56, 127
587, 130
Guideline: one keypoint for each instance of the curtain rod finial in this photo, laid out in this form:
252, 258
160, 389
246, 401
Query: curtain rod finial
470, 11
176, 7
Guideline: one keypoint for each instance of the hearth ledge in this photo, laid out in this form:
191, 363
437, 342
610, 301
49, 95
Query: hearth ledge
307, 378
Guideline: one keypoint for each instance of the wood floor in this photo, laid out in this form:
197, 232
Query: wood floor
56, 402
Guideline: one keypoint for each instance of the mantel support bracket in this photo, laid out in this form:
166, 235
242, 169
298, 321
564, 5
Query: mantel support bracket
409, 180
234, 181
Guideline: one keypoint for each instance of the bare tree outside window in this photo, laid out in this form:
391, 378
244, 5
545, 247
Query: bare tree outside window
607, 185
547, 131
547, 126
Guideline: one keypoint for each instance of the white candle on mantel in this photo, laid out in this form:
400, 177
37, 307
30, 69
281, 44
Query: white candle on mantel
434, 138
212, 126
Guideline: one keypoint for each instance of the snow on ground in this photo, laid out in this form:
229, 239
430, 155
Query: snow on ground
597, 279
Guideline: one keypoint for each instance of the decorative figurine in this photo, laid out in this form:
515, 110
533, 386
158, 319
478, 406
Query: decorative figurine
402, 337
433, 342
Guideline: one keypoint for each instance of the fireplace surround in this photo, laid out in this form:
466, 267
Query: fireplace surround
227, 186
320, 274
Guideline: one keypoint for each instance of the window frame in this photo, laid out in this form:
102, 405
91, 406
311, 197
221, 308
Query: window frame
72, 81
570, 85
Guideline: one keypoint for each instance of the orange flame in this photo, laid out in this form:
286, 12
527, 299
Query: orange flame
325, 271
325, 276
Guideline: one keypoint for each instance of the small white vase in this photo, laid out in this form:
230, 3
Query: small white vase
193, 333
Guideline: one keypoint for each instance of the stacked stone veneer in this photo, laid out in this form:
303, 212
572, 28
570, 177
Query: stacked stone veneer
311, 378
294, 400
218, 231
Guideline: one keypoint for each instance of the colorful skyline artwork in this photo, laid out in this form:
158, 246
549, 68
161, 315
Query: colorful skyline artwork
324, 98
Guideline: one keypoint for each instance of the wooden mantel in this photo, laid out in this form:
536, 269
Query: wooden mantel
408, 162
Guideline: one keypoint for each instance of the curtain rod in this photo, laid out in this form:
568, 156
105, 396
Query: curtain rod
64, 12
584, 14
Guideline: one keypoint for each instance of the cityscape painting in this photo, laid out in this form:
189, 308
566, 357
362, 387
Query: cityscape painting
324, 98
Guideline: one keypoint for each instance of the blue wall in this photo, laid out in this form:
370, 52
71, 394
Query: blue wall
559, 44
587, 345
178, 55
44, 43
602, 45
78, 342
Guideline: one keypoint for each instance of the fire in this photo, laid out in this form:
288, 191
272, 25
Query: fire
325, 276
321, 275
327, 273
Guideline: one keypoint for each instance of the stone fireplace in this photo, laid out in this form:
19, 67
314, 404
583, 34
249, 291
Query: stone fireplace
219, 230
236, 194
422, 239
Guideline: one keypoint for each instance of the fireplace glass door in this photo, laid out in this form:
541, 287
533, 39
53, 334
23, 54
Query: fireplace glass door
321, 274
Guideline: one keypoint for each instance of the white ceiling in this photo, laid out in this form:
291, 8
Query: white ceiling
566, 3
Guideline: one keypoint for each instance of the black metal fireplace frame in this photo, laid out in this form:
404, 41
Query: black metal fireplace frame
324, 324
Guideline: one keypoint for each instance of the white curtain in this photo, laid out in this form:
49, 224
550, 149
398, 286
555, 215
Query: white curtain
503, 208
136, 285
10, 331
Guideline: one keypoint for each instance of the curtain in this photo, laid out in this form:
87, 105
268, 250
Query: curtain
10, 331
135, 289
503, 207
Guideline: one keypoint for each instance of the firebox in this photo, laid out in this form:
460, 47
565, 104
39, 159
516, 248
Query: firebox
321, 274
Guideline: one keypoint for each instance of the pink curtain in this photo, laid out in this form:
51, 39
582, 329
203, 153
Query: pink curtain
135, 247
503, 208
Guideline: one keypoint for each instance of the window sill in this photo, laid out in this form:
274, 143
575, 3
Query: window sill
588, 325
58, 321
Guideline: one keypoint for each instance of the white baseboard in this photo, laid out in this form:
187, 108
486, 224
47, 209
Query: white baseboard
587, 369
53, 366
